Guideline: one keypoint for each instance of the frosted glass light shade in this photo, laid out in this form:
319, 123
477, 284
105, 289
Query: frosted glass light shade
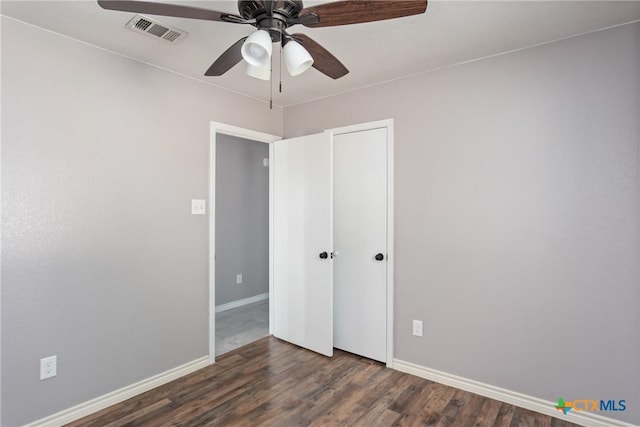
296, 58
262, 73
256, 50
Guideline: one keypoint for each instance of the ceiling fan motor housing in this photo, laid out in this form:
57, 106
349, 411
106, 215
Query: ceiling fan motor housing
276, 24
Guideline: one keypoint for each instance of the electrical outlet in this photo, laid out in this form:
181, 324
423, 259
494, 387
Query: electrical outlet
238, 279
198, 207
48, 367
417, 328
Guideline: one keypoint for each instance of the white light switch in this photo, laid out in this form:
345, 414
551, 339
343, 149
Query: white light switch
265, 162
238, 279
198, 207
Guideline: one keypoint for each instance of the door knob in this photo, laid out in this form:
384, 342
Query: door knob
324, 255
379, 257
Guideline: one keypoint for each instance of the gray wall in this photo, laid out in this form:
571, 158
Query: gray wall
242, 218
103, 264
517, 220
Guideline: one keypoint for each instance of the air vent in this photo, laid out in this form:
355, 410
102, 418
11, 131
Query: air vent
157, 30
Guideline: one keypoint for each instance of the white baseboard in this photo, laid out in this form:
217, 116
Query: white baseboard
587, 419
241, 302
104, 401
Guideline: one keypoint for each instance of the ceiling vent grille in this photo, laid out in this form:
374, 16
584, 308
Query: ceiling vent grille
157, 30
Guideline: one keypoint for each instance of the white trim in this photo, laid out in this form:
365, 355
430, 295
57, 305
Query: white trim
240, 302
331, 259
546, 407
239, 132
212, 245
271, 241
390, 239
388, 124
94, 405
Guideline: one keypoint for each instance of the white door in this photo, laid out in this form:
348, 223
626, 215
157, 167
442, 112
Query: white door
360, 235
302, 280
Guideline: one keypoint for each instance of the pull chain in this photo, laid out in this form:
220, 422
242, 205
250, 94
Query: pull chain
271, 83
280, 67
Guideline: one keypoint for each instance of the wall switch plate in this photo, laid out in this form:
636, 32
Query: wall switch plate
48, 367
417, 328
238, 279
265, 162
198, 207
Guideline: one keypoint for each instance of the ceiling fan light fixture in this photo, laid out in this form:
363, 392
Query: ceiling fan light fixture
296, 58
262, 73
256, 50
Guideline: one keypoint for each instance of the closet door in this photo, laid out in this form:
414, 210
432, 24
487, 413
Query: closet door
360, 242
302, 297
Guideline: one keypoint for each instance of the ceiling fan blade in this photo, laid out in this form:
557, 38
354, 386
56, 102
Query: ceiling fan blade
358, 11
227, 60
165, 9
323, 60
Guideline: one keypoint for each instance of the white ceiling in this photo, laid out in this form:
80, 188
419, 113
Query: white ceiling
449, 32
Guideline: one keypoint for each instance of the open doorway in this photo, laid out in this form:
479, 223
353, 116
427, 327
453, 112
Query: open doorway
242, 242
239, 237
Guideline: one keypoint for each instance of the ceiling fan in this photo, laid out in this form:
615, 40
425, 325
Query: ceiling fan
272, 18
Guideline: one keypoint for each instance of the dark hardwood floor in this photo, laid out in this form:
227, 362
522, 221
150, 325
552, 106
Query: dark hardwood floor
271, 382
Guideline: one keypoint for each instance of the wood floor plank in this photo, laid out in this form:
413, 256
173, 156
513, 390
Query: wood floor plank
505, 415
526, 418
379, 418
384, 389
556, 422
453, 410
541, 420
349, 409
488, 413
274, 383
433, 411
415, 387
273, 411
330, 401
137, 414
470, 411
411, 410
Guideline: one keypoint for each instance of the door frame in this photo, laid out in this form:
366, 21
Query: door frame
388, 125
222, 128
